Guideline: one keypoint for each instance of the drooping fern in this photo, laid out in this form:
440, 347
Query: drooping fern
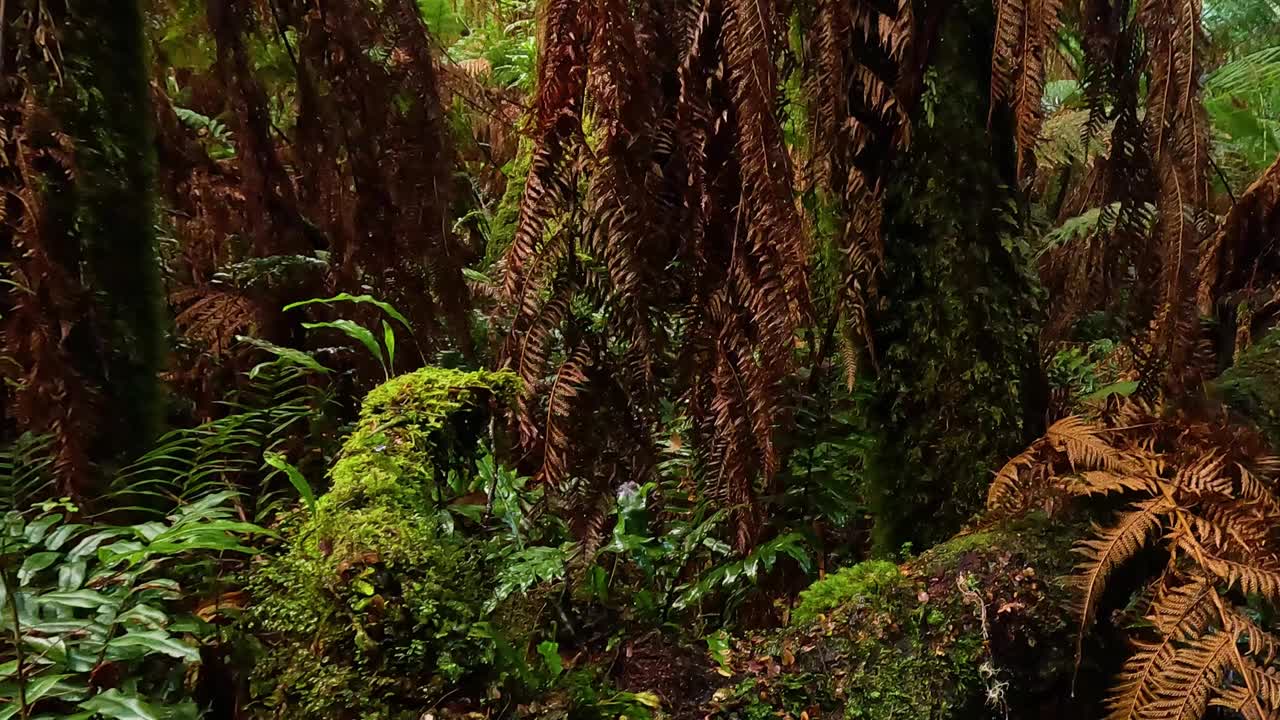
227, 453
1204, 495
866, 78
658, 238
1238, 266
1025, 31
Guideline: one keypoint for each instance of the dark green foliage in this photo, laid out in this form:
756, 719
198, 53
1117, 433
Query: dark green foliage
958, 323
1252, 385
98, 620
26, 471
276, 408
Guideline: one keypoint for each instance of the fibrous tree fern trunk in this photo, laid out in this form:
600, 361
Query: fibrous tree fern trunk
276, 225
81, 166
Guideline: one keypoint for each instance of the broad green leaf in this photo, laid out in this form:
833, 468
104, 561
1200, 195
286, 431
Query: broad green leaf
205, 506
647, 699
355, 332
13, 524
148, 530
144, 614
85, 599
81, 628
1124, 388
167, 585
296, 479
157, 641
36, 531
389, 340
41, 687
34, 564
59, 537
119, 706
71, 574
348, 297
550, 652
110, 555
297, 357
30, 666
89, 545
50, 648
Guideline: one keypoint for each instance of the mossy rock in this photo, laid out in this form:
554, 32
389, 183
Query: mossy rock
370, 611
977, 627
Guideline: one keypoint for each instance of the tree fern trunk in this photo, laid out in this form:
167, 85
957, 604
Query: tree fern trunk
957, 326
87, 342
115, 215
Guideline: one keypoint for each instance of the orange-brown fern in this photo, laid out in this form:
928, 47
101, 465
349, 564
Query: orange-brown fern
1203, 496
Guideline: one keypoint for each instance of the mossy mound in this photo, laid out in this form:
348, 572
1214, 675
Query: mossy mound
975, 628
1251, 386
369, 613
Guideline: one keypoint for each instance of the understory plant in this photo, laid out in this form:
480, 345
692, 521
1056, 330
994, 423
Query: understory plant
109, 621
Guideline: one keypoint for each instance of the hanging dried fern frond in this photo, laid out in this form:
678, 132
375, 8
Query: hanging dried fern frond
646, 200
865, 79
1184, 685
1239, 263
275, 222
44, 302
569, 386
1179, 613
1108, 549
1025, 31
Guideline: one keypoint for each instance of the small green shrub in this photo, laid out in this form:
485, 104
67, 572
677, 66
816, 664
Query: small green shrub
95, 623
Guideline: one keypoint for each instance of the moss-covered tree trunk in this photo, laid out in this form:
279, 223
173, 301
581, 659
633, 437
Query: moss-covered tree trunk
105, 106
83, 336
957, 328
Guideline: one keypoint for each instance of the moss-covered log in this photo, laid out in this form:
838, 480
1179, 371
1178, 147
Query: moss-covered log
370, 612
978, 627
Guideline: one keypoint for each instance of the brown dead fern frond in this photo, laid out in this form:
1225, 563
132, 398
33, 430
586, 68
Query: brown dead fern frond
1195, 479
1026, 30
1238, 263
1107, 550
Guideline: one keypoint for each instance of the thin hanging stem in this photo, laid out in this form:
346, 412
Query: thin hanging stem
24, 710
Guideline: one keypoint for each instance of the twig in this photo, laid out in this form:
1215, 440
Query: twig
3, 28
24, 710
1221, 176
